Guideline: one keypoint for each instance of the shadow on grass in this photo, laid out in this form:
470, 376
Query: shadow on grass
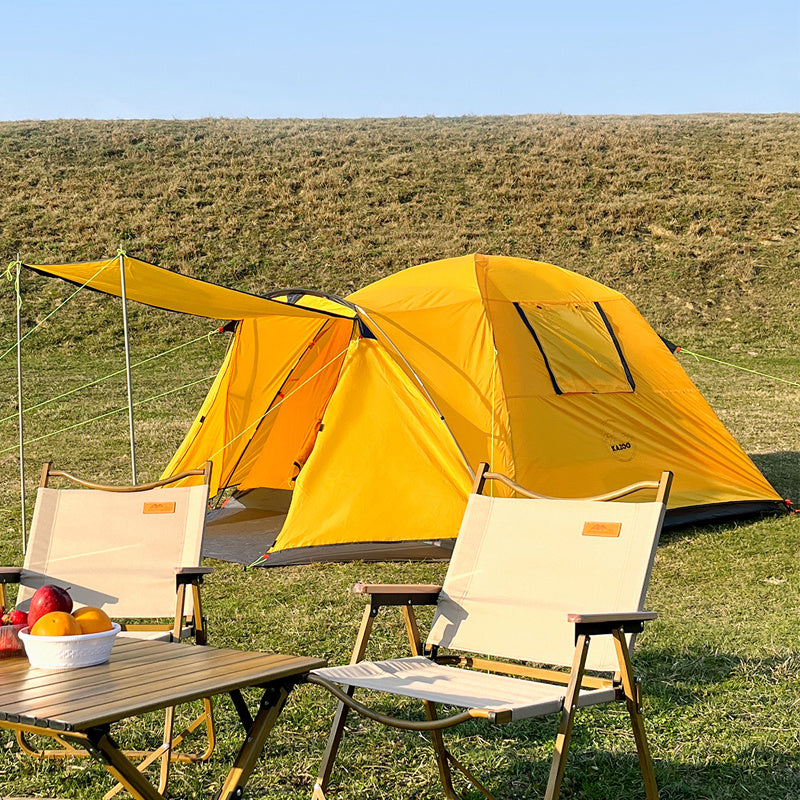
782, 470
663, 669
593, 774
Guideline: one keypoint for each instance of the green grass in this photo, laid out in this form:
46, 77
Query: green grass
695, 218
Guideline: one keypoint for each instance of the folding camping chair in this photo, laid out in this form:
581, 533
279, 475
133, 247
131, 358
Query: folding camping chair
133, 551
531, 579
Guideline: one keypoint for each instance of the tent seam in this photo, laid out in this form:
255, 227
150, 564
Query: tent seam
482, 293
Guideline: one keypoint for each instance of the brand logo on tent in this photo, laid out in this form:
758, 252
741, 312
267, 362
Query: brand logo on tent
620, 446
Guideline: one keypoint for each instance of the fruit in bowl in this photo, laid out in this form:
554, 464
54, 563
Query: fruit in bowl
58, 639
92, 620
46, 599
56, 623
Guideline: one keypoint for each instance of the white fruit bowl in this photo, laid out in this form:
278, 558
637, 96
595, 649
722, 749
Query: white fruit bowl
69, 652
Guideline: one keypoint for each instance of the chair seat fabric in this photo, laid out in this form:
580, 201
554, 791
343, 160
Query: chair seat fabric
424, 679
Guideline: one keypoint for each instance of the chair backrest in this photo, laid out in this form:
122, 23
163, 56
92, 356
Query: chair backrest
116, 547
520, 565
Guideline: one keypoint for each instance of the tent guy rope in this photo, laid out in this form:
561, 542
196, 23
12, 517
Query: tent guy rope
110, 375
698, 356
59, 306
110, 413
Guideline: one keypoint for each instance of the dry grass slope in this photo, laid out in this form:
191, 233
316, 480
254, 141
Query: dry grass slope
697, 218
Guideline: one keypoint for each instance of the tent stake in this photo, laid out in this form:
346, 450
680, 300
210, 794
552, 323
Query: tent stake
127, 363
19, 410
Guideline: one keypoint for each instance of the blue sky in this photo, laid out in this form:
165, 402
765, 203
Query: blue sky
243, 58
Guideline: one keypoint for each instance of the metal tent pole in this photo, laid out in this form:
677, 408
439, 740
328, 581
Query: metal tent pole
127, 363
19, 410
422, 386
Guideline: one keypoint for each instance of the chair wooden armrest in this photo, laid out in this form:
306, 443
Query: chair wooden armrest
10, 574
191, 574
399, 594
594, 624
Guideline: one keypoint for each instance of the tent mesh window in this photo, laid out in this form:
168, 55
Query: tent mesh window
578, 345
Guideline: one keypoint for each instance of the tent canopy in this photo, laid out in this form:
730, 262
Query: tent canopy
158, 287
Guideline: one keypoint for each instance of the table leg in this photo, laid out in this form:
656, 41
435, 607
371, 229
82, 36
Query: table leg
99, 744
272, 704
103, 748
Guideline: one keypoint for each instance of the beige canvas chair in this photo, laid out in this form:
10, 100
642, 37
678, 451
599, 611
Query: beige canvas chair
135, 552
534, 580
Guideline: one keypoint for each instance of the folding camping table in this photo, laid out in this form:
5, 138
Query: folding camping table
79, 706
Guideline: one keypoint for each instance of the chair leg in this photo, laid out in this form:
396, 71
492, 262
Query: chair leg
469, 776
643, 751
339, 719
332, 747
442, 756
166, 756
633, 701
208, 718
567, 718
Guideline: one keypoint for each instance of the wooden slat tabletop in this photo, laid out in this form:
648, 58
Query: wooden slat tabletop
140, 676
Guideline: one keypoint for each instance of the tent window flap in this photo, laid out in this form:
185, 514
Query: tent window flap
578, 346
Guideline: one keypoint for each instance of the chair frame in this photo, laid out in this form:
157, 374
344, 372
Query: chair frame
190, 625
406, 597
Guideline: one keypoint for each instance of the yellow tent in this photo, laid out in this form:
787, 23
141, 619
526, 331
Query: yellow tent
349, 427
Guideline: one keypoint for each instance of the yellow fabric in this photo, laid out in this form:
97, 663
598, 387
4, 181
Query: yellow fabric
154, 286
433, 314
281, 445
262, 355
579, 349
446, 317
320, 304
385, 467
375, 461
584, 444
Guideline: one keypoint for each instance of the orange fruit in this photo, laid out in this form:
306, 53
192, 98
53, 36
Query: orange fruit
91, 619
56, 623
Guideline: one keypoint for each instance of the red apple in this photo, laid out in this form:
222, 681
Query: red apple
48, 598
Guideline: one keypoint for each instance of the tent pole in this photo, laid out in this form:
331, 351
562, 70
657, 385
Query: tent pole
127, 363
19, 410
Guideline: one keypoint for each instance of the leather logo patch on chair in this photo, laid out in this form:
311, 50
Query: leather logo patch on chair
159, 508
609, 529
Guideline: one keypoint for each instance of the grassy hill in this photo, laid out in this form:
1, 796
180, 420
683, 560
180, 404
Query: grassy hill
695, 218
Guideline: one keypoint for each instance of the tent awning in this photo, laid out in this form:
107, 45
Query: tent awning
160, 288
